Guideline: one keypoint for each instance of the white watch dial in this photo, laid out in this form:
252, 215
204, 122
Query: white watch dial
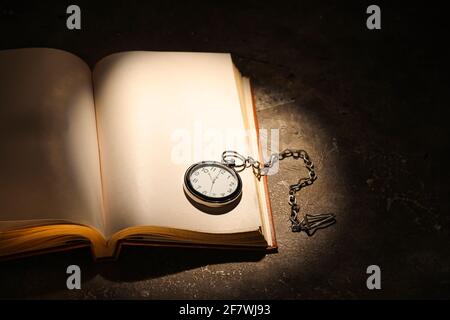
212, 181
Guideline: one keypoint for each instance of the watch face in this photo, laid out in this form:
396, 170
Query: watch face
212, 183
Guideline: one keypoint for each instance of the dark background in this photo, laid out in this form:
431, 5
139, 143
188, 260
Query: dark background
370, 105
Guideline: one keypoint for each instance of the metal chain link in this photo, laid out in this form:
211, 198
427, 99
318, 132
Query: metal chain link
310, 223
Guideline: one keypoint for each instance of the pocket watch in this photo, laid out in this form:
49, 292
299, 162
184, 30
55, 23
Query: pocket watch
212, 184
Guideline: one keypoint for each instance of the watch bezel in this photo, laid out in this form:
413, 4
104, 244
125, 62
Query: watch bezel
204, 199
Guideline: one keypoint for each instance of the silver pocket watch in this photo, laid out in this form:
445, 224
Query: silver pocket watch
212, 184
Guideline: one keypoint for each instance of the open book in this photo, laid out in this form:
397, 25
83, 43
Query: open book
97, 157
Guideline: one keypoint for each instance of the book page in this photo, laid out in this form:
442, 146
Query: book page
49, 163
158, 113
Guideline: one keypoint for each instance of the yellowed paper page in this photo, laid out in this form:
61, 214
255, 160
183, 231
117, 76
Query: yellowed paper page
159, 112
49, 164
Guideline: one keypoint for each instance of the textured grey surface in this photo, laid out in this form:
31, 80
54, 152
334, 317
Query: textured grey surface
366, 105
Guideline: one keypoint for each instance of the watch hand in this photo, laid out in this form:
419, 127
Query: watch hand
210, 176
216, 177
214, 181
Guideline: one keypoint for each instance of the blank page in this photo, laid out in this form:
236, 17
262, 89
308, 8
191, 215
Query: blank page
49, 163
157, 113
